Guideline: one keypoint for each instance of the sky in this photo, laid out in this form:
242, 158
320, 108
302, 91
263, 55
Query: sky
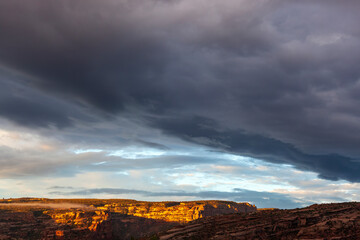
241, 100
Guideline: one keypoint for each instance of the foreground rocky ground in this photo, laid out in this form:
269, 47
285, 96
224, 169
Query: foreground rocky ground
33, 218
325, 221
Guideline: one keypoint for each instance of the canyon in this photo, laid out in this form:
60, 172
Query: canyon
37, 218
78, 219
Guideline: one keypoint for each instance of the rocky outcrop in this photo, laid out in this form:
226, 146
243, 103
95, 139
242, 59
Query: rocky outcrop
180, 212
325, 221
78, 223
79, 218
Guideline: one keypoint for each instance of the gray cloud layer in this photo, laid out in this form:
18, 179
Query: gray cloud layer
206, 132
277, 80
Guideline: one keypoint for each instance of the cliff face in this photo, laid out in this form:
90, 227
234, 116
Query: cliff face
180, 212
79, 218
123, 220
78, 224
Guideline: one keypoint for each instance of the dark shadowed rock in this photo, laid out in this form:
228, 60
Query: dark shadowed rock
325, 221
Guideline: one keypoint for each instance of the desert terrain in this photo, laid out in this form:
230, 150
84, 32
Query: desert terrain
45, 219
38, 218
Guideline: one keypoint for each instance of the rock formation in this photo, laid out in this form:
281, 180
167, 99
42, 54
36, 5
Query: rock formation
78, 219
180, 212
102, 219
325, 221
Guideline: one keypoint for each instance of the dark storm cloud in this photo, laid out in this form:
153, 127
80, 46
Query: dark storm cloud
285, 73
27, 107
260, 199
33, 113
207, 132
79, 50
